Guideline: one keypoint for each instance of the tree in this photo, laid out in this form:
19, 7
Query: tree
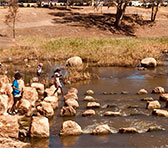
121, 7
10, 18
155, 8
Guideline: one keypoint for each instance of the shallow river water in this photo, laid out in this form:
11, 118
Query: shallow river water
114, 80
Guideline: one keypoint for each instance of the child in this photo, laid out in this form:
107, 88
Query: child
57, 81
17, 93
39, 69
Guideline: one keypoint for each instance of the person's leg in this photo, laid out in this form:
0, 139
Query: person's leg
14, 103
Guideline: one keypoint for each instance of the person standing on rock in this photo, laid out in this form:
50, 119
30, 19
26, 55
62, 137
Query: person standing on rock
39, 69
57, 83
17, 94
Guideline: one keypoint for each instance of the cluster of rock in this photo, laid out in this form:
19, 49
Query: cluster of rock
31, 105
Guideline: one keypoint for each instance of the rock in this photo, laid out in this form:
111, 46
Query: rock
89, 98
67, 111
9, 126
70, 128
3, 104
35, 79
128, 130
24, 106
141, 68
133, 106
160, 112
70, 96
153, 105
88, 112
124, 92
101, 129
53, 100
12, 143
93, 105
158, 90
110, 113
74, 61
4, 79
147, 99
142, 91
73, 90
39, 87
50, 91
39, 127
148, 62
72, 102
30, 94
89, 92
109, 93
163, 97
155, 128
45, 109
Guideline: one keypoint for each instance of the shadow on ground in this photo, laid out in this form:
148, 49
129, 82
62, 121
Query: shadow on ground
103, 21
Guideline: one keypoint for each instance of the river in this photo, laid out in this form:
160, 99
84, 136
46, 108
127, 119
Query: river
114, 80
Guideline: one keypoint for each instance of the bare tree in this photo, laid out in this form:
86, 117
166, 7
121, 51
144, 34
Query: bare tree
155, 8
10, 18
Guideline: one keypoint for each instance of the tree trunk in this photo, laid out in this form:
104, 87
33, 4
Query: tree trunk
154, 11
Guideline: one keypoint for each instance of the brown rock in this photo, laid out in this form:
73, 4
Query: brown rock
93, 105
31, 95
39, 87
39, 127
142, 92
128, 130
45, 109
155, 128
89, 92
74, 61
71, 96
3, 104
50, 91
67, 111
110, 113
53, 100
9, 126
148, 62
163, 97
89, 98
73, 90
24, 106
160, 112
153, 105
4, 79
158, 90
72, 102
88, 112
102, 129
70, 128
147, 99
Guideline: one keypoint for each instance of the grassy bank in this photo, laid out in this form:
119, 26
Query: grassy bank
98, 51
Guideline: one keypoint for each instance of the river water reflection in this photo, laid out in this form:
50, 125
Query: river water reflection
114, 80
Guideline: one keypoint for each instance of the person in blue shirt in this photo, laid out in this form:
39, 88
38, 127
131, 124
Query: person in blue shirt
17, 94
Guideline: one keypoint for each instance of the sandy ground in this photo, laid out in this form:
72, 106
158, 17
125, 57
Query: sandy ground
82, 22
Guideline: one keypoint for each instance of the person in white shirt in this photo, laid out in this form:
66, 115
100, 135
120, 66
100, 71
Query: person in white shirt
39, 69
57, 83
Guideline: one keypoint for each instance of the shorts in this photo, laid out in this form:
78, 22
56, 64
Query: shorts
17, 98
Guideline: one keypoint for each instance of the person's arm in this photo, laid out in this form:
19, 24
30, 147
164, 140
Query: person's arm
15, 88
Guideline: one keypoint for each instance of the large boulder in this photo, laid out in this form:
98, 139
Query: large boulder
39, 127
142, 92
93, 105
158, 90
164, 97
39, 87
148, 62
89, 112
111, 113
9, 126
45, 109
12, 143
50, 91
24, 106
72, 102
70, 128
67, 111
89, 98
128, 130
71, 96
102, 129
31, 95
160, 112
53, 100
74, 61
153, 105
4, 79
3, 104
